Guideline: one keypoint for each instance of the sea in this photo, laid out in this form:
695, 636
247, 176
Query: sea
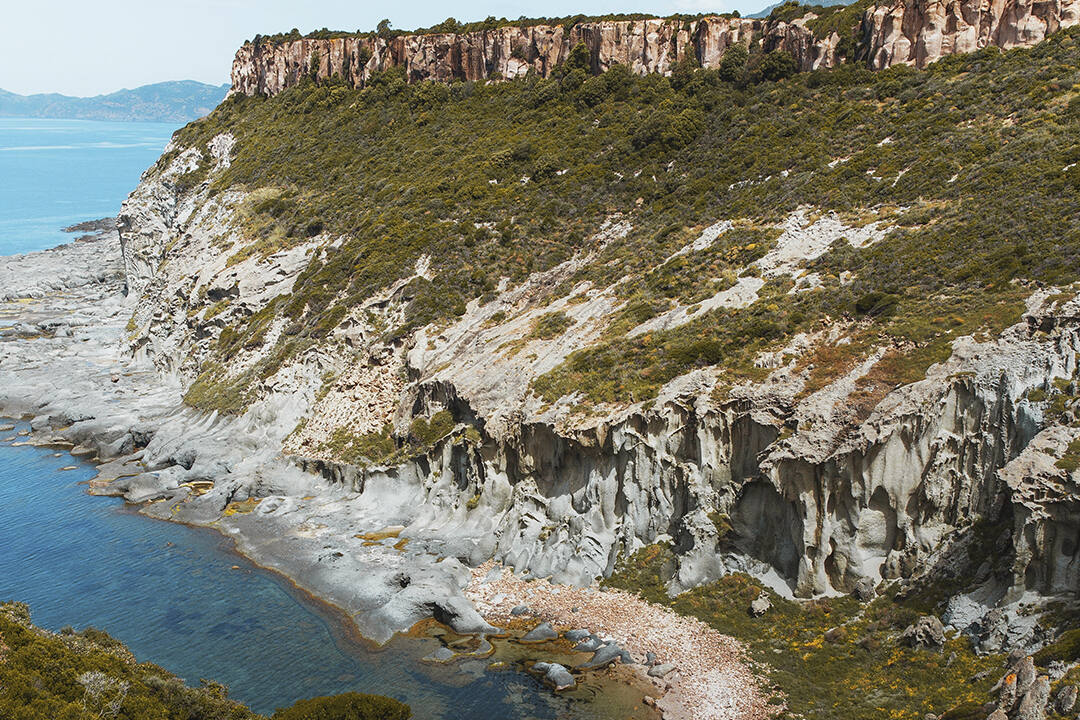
56, 173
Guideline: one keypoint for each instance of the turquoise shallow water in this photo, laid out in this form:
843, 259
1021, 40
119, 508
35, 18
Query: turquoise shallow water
54, 173
171, 593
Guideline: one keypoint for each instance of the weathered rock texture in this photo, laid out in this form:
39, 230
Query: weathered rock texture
836, 503
911, 32
918, 32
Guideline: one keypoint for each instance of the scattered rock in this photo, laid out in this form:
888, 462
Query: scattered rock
577, 635
1056, 669
760, 605
604, 656
559, 677
650, 658
1025, 675
864, 590
520, 610
442, 655
927, 632
1033, 705
659, 671
1066, 699
589, 644
541, 633
1007, 691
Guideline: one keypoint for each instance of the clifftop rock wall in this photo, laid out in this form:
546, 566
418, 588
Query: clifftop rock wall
645, 46
912, 32
918, 32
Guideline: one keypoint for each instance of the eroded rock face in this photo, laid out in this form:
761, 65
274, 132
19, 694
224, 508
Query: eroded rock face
643, 46
918, 32
909, 32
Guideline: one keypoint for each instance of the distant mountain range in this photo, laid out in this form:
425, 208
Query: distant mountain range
176, 101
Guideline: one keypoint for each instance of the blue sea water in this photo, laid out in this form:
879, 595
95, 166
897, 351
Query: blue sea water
55, 173
180, 597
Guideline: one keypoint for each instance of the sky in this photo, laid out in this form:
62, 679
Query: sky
83, 48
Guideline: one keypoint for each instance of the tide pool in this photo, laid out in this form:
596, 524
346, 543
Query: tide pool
55, 173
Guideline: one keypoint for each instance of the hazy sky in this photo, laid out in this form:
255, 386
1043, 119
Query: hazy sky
86, 48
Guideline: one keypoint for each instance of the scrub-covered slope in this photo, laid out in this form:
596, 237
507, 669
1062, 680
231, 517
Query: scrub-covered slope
818, 327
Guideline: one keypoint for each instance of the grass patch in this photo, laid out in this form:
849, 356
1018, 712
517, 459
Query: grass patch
831, 657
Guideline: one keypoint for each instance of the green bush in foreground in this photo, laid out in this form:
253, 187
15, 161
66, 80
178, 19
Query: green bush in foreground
89, 675
348, 706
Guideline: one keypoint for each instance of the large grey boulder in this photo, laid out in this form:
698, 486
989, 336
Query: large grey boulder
605, 656
541, 633
927, 632
559, 677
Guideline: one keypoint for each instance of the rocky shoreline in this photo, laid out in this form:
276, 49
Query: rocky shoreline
62, 322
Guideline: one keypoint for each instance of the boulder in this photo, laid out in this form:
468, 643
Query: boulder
659, 671
559, 677
604, 656
1066, 699
576, 635
650, 658
864, 590
1025, 675
589, 644
1033, 704
760, 605
520, 610
541, 633
442, 655
927, 632
1007, 691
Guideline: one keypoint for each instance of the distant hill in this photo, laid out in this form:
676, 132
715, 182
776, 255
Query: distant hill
823, 3
176, 101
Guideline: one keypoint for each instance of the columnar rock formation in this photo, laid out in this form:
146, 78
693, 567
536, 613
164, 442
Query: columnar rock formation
912, 32
645, 46
918, 32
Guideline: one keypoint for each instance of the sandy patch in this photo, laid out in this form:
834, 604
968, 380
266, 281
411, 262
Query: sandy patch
711, 680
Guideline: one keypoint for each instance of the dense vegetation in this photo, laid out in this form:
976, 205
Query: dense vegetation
973, 160
90, 676
451, 25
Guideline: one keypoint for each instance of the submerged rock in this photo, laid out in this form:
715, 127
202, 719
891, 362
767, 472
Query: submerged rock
442, 655
605, 656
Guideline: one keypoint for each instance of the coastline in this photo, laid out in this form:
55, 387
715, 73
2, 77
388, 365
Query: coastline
63, 370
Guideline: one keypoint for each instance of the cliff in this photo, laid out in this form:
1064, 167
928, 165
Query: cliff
909, 32
824, 334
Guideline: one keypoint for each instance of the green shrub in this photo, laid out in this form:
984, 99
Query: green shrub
348, 706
